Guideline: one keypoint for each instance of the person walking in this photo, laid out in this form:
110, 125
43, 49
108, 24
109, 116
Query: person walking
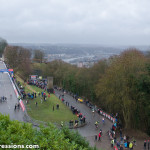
36, 104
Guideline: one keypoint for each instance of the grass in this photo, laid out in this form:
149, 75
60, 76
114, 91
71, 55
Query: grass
44, 111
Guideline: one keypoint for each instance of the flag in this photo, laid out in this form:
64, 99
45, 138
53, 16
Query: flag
22, 105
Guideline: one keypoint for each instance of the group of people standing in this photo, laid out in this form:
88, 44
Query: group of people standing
75, 111
121, 142
98, 136
3, 99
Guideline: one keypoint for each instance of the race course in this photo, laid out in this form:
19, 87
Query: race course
6, 89
88, 131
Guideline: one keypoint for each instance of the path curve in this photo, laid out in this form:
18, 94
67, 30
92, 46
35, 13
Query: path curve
89, 130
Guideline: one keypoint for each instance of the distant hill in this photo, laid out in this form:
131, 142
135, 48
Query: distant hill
75, 51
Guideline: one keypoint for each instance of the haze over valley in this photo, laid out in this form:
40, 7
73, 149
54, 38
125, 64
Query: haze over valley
77, 53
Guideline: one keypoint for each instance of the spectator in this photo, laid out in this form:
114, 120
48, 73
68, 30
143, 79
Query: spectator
125, 144
83, 119
145, 144
124, 138
120, 133
148, 144
131, 146
115, 148
15, 106
99, 135
121, 147
57, 106
18, 106
118, 144
48, 95
128, 144
96, 137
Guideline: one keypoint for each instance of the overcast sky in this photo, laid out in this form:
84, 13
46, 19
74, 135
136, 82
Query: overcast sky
105, 22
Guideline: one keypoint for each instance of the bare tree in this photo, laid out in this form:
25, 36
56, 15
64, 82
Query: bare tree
38, 56
3, 44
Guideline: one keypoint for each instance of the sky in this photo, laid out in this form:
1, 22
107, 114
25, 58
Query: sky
104, 22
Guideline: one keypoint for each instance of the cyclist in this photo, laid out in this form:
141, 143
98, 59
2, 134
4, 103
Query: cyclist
93, 111
103, 120
96, 124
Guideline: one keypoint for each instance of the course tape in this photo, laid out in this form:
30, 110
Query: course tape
107, 116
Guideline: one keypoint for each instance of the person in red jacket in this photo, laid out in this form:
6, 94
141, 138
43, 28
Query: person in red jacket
99, 135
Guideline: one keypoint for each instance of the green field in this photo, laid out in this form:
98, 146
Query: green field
44, 111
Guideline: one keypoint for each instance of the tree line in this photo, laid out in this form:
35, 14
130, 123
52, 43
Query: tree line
20, 59
119, 84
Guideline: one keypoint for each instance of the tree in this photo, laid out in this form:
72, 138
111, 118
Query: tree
18, 58
11, 56
3, 44
38, 56
116, 88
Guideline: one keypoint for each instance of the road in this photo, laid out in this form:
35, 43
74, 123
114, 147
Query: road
89, 130
6, 89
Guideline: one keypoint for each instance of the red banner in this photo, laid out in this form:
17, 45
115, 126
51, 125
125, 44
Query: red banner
10, 70
22, 105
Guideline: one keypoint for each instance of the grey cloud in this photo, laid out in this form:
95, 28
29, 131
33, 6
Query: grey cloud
76, 21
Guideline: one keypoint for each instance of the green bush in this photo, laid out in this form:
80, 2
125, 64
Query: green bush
48, 138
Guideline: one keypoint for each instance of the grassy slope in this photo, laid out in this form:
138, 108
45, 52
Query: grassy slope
44, 111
